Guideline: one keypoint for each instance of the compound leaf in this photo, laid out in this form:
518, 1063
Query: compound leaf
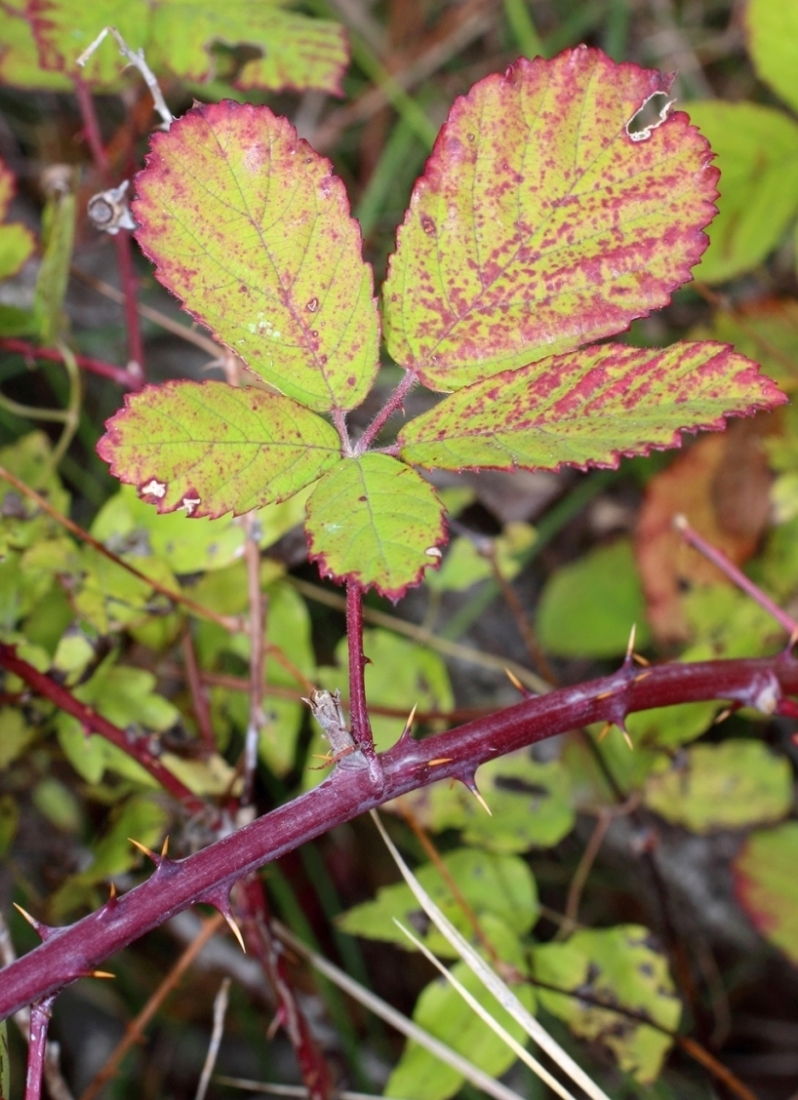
211, 448
767, 887
178, 37
588, 407
250, 228
543, 220
375, 521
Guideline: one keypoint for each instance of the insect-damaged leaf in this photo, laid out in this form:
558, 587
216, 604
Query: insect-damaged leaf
249, 227
376, 521
178, 37
540, 223
588, 407
211, 448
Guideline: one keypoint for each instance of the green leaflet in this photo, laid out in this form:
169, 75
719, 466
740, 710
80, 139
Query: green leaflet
250, 228
58, 233
619, 966
376, 521
442, 1012
177, 37
210, 448
588, 607
500, 886
757, 153
588, 408
539, 224
727, 786
142, 817
773, 42
767, 886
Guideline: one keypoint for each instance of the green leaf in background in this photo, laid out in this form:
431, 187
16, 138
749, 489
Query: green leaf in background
248, 226
728, 786
9, 822
539, 224
757, 154
616, 966
442, 1012
57, 803
500, 886
773, 42
667, 727
588, 608
767, 885
464, 565
376, 521
297, 52
143, 817
19, 56
530, 801
726, 623
129, 526
226, 591
58, 236
15, 734
589, 407
16, 241
124, 696
177, 37
210, 448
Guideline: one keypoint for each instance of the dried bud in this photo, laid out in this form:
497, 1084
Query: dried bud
109, 210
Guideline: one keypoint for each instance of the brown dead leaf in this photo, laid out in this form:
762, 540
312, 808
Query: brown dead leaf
721, 485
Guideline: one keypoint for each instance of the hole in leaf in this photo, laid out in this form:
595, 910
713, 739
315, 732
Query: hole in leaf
654, 111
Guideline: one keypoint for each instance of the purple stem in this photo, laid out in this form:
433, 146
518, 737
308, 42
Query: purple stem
124, 257
129, 283
261, 943
394, 402
119, 375
95, 723
70, 953
358, 708
729, 569
37, 1047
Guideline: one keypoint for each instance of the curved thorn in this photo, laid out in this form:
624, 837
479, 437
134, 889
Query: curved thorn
511, 676
145, 850
235, 930
407, 731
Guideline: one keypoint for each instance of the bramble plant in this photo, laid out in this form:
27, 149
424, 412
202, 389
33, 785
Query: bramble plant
563, 199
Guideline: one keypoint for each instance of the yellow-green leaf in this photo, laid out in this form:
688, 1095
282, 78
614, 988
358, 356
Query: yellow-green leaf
210, 448
248, 226
541, 223
375, 521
